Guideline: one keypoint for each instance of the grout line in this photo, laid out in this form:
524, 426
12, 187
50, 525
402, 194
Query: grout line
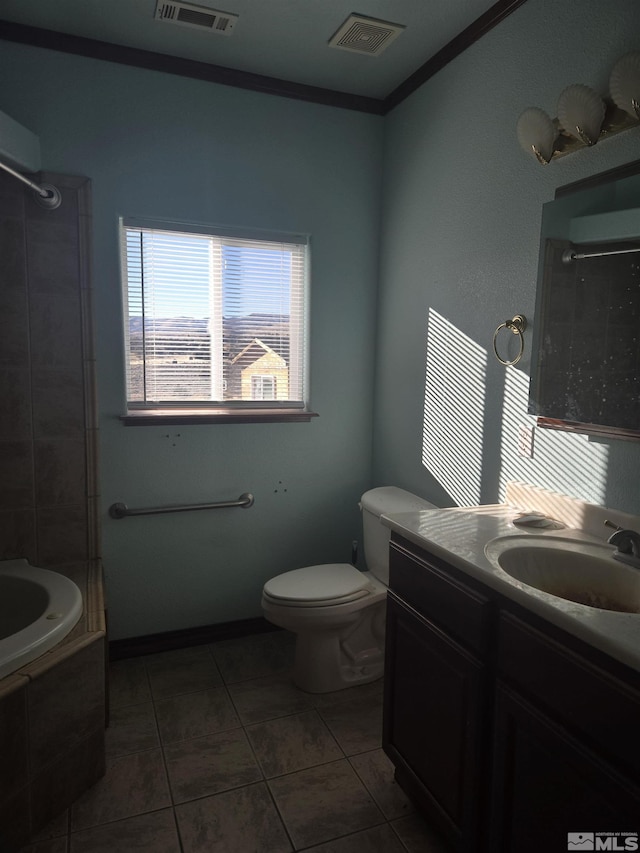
263, 781
164, 759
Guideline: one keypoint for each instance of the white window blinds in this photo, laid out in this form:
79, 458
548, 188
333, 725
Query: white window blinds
213, 319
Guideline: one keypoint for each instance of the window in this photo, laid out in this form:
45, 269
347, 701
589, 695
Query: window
263, 388
214, 320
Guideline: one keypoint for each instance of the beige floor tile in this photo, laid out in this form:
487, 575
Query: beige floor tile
418, 837
254, 656
324, 803
355, 724
195, 715
148, 833
55, 828
172, 674
379, 839
52, 845
132, 785
377, 773
292, 743
266, 698
236, 821
209, 765
128, 683
370, 692
131, 729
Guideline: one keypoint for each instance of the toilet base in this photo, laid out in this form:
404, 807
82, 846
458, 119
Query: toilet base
313, 674
326, 661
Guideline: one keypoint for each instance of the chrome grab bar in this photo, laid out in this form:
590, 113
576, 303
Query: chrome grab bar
121, 510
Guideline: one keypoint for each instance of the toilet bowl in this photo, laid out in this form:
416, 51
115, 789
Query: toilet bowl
336, 611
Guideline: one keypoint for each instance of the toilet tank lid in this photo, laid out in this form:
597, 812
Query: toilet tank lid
389, 499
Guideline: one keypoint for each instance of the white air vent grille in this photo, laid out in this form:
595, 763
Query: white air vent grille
365, 35
187, 15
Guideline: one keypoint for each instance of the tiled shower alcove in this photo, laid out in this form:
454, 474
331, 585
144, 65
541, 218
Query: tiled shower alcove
52, 711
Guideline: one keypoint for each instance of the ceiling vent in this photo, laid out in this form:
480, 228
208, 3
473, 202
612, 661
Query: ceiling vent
365, 35
198, 17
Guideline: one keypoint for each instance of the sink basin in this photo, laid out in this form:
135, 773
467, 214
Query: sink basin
582, 572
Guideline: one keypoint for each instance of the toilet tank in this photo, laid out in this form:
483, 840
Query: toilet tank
384, 501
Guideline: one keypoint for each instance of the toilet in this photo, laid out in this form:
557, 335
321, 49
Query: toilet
336, 611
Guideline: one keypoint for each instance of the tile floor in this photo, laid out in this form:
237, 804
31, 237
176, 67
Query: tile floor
212, 749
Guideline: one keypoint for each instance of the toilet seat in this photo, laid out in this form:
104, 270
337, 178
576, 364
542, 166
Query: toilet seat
321, 586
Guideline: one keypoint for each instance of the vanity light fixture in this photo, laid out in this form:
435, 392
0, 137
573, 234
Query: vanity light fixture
583, 116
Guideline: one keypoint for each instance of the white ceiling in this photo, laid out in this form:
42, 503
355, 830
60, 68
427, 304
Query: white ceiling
285, 39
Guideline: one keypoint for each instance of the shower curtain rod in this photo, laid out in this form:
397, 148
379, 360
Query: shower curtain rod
570, 255
46, 194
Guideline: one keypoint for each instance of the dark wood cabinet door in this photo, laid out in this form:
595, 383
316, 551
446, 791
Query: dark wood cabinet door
435, 711
547, 784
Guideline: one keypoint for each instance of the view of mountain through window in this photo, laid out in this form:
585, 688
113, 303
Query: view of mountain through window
213, 319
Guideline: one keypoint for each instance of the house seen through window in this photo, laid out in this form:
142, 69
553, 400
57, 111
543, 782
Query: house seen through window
213, 319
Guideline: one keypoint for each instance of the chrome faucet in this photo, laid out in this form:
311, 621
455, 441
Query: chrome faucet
627, 544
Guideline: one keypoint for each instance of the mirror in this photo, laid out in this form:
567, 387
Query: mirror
585, 373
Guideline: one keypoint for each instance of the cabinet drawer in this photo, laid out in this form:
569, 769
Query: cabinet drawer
582, 696
448, 603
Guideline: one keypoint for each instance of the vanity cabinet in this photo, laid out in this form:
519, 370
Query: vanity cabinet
566, 741
505, 731
437, 694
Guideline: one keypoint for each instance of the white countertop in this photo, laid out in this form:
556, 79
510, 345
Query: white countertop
459, 537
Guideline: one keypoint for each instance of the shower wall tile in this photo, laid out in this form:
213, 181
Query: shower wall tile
18, 534
15, 412
90, 395
62, 534
12, 252
14, 328
59, 714
16, 474
64, 780
52, 249
92, 484
93, 540
56, 337
14, 821
60, 472
11, 197
13, 739
58, 402
47, 391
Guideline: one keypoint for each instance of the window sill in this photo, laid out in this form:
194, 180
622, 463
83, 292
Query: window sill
162, 417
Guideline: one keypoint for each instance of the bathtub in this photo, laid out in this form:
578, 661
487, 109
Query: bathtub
38, 608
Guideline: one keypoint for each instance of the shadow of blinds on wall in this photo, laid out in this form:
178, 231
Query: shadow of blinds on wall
454, 402
569, 463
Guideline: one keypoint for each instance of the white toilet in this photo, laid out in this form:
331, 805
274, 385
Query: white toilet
337, 612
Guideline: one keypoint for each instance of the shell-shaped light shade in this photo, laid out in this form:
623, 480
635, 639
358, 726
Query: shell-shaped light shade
624, 83
536, 133
581, 112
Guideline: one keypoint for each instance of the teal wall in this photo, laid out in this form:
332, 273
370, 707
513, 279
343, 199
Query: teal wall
457, 217
462, 207
157, 145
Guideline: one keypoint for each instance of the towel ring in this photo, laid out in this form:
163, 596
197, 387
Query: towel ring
517, 325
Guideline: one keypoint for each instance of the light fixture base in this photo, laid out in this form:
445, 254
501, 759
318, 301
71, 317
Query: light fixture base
615, 121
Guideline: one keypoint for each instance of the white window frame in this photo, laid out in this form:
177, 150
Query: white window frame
156, 411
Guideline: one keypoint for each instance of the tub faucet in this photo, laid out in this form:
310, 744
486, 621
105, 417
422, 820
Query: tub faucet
627, 543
